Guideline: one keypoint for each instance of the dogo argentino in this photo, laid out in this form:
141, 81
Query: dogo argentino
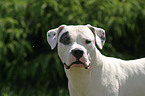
89, 72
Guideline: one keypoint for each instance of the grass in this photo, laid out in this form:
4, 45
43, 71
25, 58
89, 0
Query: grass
7, 91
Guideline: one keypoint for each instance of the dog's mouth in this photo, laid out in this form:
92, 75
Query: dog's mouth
77, 63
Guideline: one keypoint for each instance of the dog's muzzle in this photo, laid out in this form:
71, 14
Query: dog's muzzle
77, 54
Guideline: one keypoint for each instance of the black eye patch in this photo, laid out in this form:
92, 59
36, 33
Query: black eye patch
65, 39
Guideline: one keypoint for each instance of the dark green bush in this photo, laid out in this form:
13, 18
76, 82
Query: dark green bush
29, 67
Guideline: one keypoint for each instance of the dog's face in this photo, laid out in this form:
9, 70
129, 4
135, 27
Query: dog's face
76, 44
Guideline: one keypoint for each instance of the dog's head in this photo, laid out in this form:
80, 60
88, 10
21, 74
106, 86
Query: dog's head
76, 44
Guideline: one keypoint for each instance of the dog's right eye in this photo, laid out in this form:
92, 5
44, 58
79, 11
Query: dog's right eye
87, 41
65, 39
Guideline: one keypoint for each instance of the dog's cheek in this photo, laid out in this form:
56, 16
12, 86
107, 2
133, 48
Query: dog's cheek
91, 50
62, 52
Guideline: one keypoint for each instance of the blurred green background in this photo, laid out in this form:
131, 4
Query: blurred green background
28, 67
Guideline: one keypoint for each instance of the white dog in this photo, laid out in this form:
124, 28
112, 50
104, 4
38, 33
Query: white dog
89, 72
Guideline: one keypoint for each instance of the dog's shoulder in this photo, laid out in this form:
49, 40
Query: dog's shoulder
124, 67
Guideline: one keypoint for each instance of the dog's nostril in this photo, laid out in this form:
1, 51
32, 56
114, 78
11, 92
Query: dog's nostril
77, 53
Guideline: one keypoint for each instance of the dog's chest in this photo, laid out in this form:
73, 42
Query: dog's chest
82, 82
79, 80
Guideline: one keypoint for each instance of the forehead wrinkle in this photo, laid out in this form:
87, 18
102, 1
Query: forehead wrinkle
85, 33
72, 32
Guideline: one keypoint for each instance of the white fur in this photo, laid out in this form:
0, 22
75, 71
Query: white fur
106, 76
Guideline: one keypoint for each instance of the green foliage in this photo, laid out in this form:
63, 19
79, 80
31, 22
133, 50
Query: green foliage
29, 67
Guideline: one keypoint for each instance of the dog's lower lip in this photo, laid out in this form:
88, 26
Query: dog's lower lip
66, 66
76, 62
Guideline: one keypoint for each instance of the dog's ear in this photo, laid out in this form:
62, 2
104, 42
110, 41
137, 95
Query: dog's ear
99, 35
52, 36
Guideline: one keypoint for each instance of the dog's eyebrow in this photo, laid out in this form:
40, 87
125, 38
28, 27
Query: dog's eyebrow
65, 33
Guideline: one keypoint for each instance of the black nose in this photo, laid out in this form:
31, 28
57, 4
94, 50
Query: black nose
77, 53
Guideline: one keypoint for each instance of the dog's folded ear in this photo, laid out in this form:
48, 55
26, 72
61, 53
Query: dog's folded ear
99, 35
52, 36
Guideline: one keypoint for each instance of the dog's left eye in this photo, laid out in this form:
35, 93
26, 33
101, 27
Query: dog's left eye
87, 41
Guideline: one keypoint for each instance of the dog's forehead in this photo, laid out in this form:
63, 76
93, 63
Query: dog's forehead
79, 29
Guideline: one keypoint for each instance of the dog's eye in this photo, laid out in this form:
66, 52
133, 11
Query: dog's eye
65, 39
87, 41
